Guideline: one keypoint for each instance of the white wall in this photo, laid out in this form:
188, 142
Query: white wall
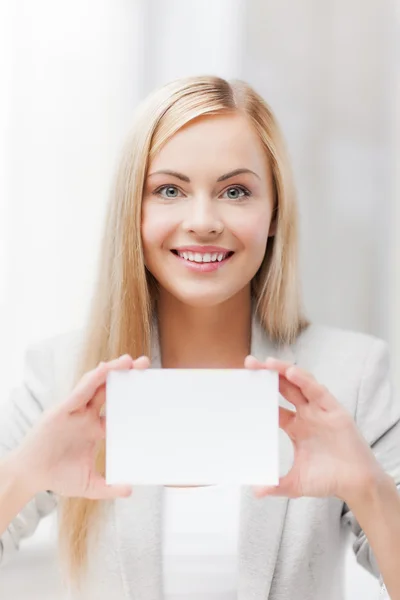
74, 71
328, 71
394, 310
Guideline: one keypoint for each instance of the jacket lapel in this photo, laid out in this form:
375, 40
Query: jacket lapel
139, 540
139, 519
262, 519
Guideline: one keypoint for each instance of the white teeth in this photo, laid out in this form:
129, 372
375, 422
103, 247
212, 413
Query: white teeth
200, 258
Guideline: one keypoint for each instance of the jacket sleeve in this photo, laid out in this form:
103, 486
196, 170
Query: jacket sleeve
378, 418
18, 414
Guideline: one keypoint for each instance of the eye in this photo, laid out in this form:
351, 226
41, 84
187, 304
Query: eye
236, 192
168, 191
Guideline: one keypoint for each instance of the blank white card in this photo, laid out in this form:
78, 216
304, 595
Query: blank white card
192, 427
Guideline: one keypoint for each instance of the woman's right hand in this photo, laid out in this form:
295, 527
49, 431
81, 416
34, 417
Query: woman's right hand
58, 453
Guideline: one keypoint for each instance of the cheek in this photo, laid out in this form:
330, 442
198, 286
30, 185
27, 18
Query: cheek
155, 229
253, 231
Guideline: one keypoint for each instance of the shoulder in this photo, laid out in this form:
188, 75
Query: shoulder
351, 364
341, 355
54, 359
325, 342
60, 347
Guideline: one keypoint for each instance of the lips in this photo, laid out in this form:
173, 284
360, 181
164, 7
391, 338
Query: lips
201, 257
202, 267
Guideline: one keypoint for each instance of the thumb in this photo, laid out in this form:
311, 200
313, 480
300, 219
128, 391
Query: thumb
284, 488
100, 490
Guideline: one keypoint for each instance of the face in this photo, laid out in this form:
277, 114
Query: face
207, 209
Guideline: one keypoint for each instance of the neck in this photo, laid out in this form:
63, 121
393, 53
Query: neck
209, 337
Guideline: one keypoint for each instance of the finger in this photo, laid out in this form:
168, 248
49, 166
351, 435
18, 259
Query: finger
99, 399
311, 389
291, 393
99, 428
123, 362
271, 364
92, 380
143, 362
100, 490
296, 397
284, 488
278, 365
283, 368
286, 418
250, 362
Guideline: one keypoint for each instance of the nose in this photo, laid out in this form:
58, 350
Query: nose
203, 217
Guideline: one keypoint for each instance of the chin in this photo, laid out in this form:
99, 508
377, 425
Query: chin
202, 300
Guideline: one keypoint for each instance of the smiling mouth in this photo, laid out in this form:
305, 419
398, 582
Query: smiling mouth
203, 257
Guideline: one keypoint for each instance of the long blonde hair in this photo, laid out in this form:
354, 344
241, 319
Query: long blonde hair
121, 311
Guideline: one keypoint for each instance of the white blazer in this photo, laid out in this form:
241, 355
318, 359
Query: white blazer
289, 549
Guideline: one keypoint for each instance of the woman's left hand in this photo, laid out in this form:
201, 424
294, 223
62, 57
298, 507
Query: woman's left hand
331, 457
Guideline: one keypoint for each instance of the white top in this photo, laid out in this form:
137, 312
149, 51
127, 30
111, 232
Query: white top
200, 541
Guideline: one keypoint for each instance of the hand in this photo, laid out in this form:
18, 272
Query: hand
331, 457
58, 453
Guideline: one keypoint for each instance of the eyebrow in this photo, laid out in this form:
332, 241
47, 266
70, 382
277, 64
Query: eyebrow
222, 178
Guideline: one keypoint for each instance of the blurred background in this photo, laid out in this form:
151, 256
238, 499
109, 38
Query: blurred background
72, 74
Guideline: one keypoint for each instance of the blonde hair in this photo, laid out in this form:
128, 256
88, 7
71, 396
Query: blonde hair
122, 305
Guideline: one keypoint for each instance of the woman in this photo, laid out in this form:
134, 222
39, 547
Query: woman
199, 269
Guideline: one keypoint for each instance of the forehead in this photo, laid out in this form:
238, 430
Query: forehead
217, 143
